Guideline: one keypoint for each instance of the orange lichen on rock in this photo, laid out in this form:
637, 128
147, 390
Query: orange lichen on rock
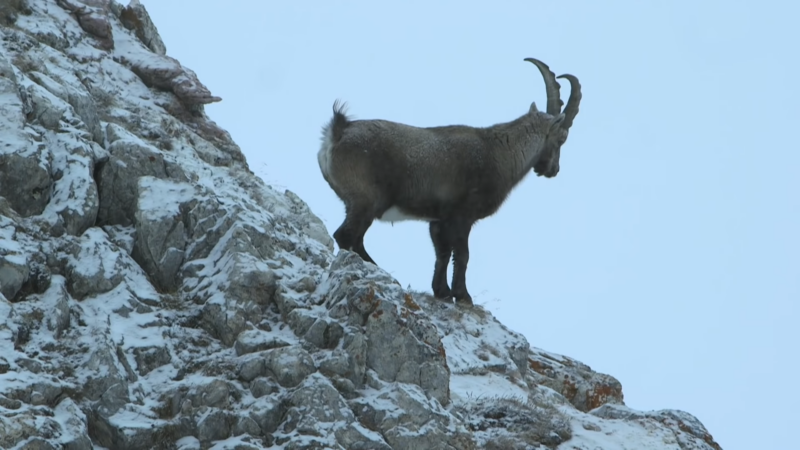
577, 382
410, 303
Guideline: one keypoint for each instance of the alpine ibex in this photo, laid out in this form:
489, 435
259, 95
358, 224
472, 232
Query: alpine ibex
449, 176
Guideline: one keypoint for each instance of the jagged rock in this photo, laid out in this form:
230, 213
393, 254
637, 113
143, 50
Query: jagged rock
24, 162
72, 92
161, 236
191, 398
118, 180
215, 394
510, 423
7, 403
402, 344
213, 426
44, 393
250, 341
254, 283
10, 9
13, 262
84, 106
39, 276
136, 18
55, 304
188, 443
107, 376
300, 320
212, 144
156, 71
97, 267
356, 348
123, 237
48, 110
31, 365
73, 420
324, 333
208, 221
91, 20
245, 425
17, 429
9, 216
314, 403
224, 320
689, 432
263, 386
311, 224
343, 368
316, 409
37, 444
149, 358
289, 364
250, 369
409, 420
356, 437
268, 413
166, 73
25, 178
74, 200
576, 381
107, 389
251, 283
96, 24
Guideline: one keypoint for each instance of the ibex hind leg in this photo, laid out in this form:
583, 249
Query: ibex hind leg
350, 235
443, 248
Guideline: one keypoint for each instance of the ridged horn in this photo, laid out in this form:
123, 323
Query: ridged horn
553, 88
574, 101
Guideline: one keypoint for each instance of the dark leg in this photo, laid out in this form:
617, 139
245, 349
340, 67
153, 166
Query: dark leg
443, 249
460, 239
359, 248
350, 235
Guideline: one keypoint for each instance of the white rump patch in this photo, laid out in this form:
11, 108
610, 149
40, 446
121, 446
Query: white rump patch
395, 214
324, 155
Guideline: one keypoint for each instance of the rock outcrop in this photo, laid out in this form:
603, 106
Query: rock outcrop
156, 294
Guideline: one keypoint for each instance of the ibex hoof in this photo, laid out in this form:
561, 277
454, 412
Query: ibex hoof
443, 293
464, 300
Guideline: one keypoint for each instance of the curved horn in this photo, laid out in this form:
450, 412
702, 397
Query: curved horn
574, 100
553, 88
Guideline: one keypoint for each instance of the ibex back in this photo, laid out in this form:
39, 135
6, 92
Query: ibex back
450, 176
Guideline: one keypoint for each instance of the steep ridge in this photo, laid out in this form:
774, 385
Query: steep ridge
156, 294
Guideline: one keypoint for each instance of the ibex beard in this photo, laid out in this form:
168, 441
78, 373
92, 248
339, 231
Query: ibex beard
449, 176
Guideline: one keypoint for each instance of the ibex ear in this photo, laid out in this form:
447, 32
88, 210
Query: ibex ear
533, 109
557, 122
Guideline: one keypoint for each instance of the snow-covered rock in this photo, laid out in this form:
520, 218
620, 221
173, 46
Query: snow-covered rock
154, 293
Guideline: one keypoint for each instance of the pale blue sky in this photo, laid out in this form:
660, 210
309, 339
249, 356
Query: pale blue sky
665, 253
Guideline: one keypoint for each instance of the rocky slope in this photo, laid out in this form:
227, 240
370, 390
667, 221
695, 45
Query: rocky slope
156, 294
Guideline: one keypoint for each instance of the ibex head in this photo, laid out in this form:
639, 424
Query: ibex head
548, 165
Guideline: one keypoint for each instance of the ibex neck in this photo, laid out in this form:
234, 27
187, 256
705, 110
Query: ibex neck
523, 144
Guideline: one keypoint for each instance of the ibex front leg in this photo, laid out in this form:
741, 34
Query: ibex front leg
443, 248
350, 235
459, 235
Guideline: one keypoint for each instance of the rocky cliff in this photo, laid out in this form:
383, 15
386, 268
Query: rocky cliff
156, 294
